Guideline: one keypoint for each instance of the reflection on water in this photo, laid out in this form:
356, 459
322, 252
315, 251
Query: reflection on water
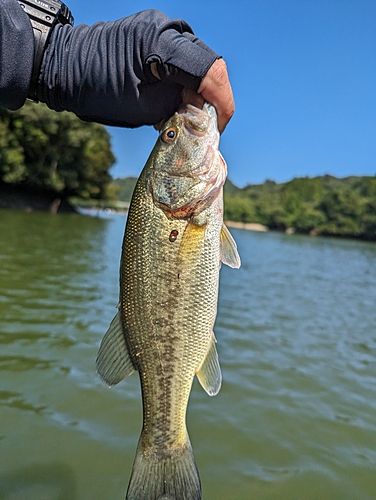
296, 329
44, 482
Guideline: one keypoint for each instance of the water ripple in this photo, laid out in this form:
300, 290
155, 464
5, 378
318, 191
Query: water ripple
296, 332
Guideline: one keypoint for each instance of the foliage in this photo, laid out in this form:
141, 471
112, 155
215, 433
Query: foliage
125, 188
321, 205
240, 208
54, 151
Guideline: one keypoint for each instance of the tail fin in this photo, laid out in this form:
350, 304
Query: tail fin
167, 477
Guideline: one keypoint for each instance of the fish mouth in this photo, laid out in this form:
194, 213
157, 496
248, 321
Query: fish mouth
195, 120
199, 122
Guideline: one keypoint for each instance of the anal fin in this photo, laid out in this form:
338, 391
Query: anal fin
113, 360
209, 373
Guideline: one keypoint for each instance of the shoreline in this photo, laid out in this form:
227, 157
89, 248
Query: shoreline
30, 199
249, 226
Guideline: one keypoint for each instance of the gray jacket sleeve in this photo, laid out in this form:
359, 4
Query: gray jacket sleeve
103, 72
16, 54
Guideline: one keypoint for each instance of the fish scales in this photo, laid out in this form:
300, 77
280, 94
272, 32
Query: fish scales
169, 340
173, 246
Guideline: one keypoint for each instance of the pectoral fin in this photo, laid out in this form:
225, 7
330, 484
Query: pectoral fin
209, 374
113, 360
229, 250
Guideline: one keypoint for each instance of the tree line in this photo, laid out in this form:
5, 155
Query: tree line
56, 152
322, 205
59, 153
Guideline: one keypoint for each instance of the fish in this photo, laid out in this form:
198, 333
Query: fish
174, 243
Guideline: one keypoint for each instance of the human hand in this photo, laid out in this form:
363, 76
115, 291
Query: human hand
216, 89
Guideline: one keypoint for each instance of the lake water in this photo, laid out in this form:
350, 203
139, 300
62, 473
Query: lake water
296, 330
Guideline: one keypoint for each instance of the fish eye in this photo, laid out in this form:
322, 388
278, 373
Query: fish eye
169, 135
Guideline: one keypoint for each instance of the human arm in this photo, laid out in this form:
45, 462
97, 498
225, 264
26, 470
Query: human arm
104, 72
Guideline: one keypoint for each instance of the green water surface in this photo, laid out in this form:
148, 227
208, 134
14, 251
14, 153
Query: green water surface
296, 330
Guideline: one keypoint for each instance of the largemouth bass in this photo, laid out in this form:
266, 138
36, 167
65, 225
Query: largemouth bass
173, 247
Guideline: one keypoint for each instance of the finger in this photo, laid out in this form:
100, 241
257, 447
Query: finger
154, 70
216, 89
191, 97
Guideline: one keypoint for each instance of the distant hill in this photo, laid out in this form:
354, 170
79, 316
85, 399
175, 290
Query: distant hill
230, 188
124, 188
324, 205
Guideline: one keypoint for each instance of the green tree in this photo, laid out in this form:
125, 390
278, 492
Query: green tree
12, 161
54, 151
322, 205
239, 208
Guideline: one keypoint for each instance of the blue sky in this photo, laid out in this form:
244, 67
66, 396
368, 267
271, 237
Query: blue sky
304, 78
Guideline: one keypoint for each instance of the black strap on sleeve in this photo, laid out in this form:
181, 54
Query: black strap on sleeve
43, 15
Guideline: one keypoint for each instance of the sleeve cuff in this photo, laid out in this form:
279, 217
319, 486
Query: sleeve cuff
180, 56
